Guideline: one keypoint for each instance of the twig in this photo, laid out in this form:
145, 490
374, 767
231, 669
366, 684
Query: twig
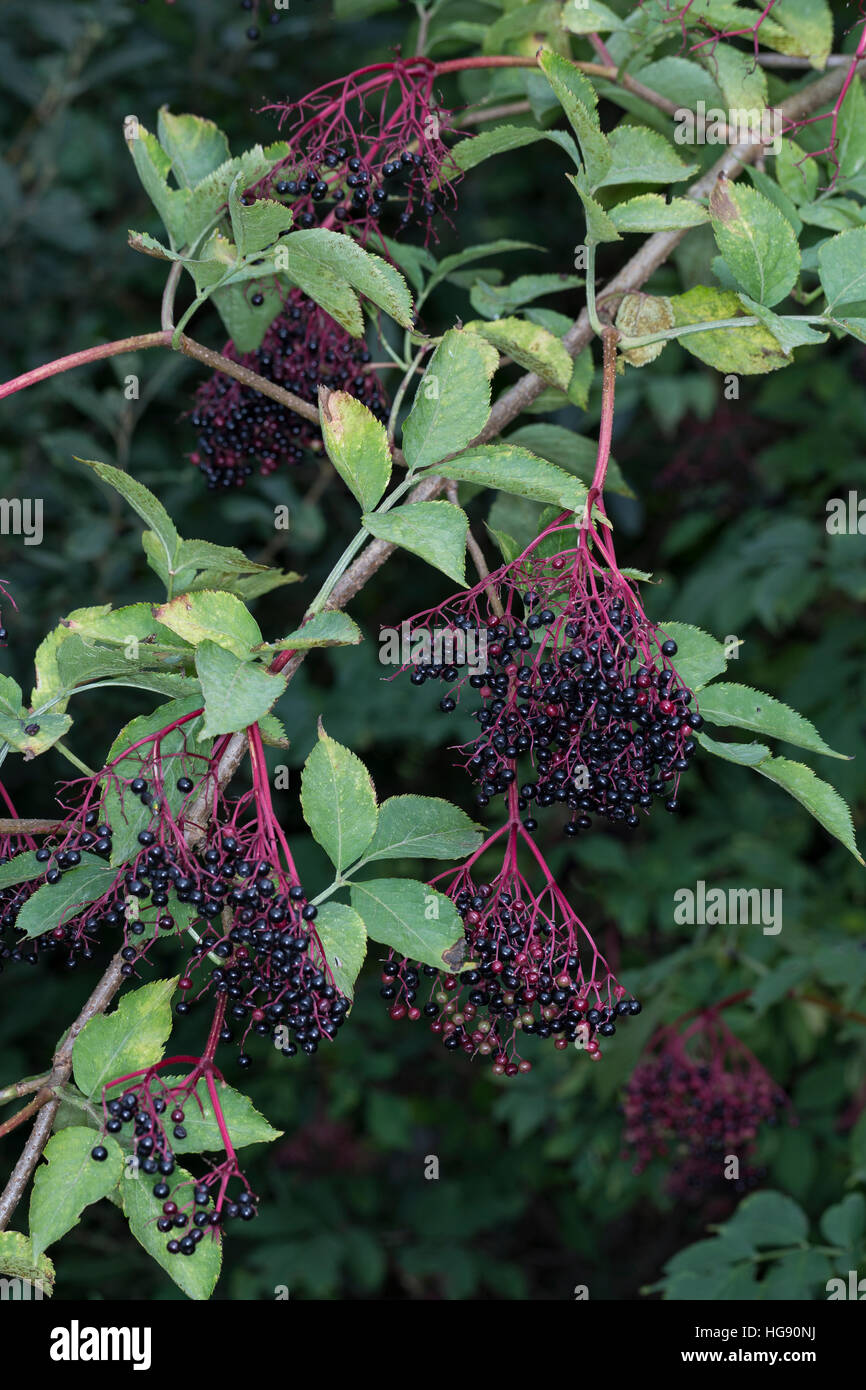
477, 555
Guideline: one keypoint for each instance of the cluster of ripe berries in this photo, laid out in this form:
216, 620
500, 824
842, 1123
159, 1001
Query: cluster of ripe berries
359, 193
607, 732
89, 841
152, 1153
237, 426
526, 979
697, 1111
275, 975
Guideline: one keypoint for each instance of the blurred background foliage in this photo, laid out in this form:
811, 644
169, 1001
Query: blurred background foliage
534, 1196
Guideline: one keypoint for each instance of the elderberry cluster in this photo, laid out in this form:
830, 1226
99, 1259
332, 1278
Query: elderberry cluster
154, 1158
275, 976
694, 1113
526, 979
237, 426
607, 732
359, 191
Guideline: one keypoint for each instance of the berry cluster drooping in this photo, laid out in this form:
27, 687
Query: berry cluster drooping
533, 970
366, 152
698, 1099
139, 1118
571, 676
238, 427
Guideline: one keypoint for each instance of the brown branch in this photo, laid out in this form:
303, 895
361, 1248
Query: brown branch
477, 555
24, 1114
28, 826
24, 1087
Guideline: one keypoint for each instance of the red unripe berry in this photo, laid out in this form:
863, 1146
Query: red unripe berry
414, 1014
398, 1011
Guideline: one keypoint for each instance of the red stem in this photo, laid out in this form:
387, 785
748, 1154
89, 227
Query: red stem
80, 359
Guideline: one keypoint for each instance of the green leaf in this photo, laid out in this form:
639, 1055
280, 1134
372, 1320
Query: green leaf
472, 151
641, 155
368, 274
842, 269
820, 799
152, 165
531, 346
744, 708
788, 331
748, 350
194, 145
344, 941
744, 754
743, 83
211, 616
802, 28
699, 656
851, 132
599, 227
412, 919
650, 213
452, 402
845, 1223
304, 267
578, 99
469, 254
767, 1219
338, 801
435, 531
574, 452
127, 1040
422, 827
149, 246
22, 869
498, 301
259, 225
197, 1276
236, 693
357, 445
756, 240
796, 172
640, 315
149, 508
515, 470
17, 1261
153, 723
69, 1181
328, 629
589, 17
244, 1123
209, 198
53, 902
202, 555
50, 727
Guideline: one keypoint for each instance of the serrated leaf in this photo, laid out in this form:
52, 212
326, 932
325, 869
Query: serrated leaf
802, 28
531, 346
49, 728
343, 939
422, 827
756, 240
152, 165
844, 1224
236, 693
53, 903
472, 151
640, 315
318, 279
197, 1276
515, 470
211, 616
578, 99
194, 145
435, 531
338, 801
368, 274
589, 17
744, 754
743, 708
328, 629
574, 452
206, 555
149, 508
641, 155
499, 301
749, 350
127, 1040
788, 331
357, 445
452, 403
23, 868
768, 1219
796, 172
842, 268
17, 1261
244, 1123
469, 254
149, 246
412, 919
699, 656
599, 227
68, 1181
649, 212
820, 799
257, 226
742, 81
